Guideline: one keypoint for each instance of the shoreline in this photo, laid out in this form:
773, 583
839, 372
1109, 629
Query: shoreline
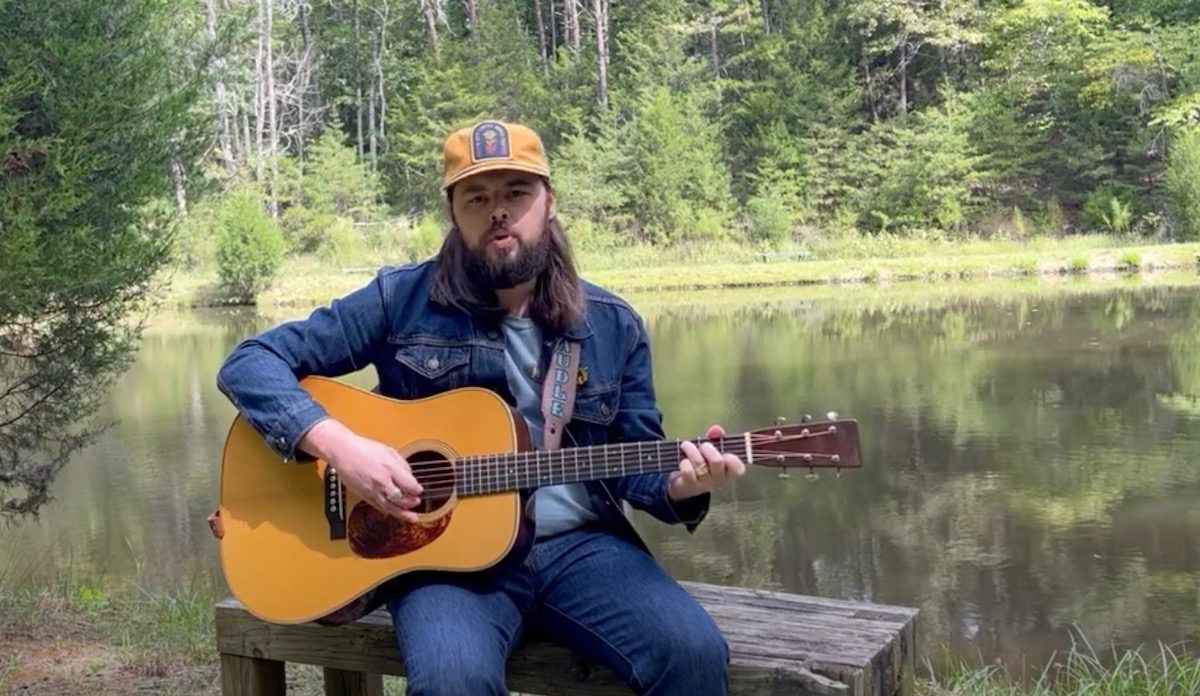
308, 281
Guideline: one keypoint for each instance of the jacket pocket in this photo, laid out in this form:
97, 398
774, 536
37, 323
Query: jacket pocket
597, 406
442, 365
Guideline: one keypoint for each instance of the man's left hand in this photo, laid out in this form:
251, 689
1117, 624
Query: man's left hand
703, 468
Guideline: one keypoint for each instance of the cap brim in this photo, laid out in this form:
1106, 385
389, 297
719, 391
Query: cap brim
481, 167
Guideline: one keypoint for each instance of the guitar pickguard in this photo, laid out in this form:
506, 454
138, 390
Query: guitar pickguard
374, 534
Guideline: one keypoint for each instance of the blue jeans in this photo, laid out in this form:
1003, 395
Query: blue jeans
589, 589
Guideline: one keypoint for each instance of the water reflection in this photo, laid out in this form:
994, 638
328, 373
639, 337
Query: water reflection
1030, 460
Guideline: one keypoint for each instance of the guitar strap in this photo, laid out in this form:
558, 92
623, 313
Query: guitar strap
558, 392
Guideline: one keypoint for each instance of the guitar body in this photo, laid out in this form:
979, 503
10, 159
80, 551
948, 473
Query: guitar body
283, 553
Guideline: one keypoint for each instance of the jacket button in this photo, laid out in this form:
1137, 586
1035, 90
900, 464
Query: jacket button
432, 363
493, 335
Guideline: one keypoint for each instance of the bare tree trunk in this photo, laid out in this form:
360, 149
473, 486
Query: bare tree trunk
180, 186
259, 95
238, 150
430, 14
571, 18
866, 66
358, 96
766, 13
904, 79
553, 30
371, 96
379, 73
223, 135
600, 11
306, 77
247, 143
272, 122
713, 56
541, 27
472, 19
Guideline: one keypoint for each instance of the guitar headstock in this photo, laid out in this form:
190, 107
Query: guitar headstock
829, 444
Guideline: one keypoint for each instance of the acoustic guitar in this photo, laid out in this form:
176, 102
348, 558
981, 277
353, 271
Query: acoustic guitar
296, 546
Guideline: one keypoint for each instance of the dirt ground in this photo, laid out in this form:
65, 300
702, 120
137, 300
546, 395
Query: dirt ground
66, 656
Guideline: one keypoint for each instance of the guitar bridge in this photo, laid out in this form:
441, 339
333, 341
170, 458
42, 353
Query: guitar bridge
335, 504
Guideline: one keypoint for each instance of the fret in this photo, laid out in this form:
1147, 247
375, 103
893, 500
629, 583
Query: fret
520, 470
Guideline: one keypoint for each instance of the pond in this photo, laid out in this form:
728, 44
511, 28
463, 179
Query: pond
1031, 457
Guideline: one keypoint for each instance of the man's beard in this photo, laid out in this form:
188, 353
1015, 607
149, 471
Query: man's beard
498, 272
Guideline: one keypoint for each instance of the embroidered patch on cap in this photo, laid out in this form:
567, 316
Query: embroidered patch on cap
489, 140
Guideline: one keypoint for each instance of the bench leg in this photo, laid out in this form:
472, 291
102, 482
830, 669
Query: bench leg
249, 676
340, 682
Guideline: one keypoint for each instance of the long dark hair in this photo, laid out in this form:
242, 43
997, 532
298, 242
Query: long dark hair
557, 301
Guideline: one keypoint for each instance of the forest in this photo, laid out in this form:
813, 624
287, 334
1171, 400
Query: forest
676, 122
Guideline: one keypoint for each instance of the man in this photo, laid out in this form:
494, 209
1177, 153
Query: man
488, 311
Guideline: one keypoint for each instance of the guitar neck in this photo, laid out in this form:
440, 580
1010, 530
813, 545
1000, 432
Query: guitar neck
515, 471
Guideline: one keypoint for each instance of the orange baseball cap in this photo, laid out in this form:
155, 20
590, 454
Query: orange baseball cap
490, 145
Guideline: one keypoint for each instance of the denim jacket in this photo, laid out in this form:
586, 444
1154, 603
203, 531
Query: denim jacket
420, 348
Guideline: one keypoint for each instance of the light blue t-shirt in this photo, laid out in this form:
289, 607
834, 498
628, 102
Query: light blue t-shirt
557, 508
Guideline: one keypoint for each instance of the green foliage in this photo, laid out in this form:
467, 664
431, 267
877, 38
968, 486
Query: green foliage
770, 220
333, 182
96, 102
678, 185
250, 245
587, 175
869, 116
1106, 209
908, 177
91, 599
1183, 181
425, 237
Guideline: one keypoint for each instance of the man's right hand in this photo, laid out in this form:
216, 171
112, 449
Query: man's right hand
369, 469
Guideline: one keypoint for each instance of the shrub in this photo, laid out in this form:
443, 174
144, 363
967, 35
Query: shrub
250, 245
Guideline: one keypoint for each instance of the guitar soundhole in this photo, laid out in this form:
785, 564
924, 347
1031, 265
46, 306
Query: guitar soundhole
373, 534
436, 476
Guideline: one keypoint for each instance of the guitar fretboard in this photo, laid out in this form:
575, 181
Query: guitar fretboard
515, 471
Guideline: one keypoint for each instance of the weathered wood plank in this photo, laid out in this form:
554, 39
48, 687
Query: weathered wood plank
250, 676
780, 643
339, 682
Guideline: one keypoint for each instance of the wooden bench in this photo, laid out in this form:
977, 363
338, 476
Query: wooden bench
780, 643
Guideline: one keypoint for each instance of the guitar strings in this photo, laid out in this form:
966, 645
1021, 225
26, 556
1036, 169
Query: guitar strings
472, 472
518, 464
484, 471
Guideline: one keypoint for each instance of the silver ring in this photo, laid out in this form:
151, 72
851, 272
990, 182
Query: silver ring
395, 496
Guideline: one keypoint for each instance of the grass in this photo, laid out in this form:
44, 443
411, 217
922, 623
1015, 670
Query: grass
75, 638
81, 639
1162, 671
842, 260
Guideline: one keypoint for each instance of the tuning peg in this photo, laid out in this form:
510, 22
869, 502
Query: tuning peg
780, 420
832, 415
807, 418
812, 475
783, 473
